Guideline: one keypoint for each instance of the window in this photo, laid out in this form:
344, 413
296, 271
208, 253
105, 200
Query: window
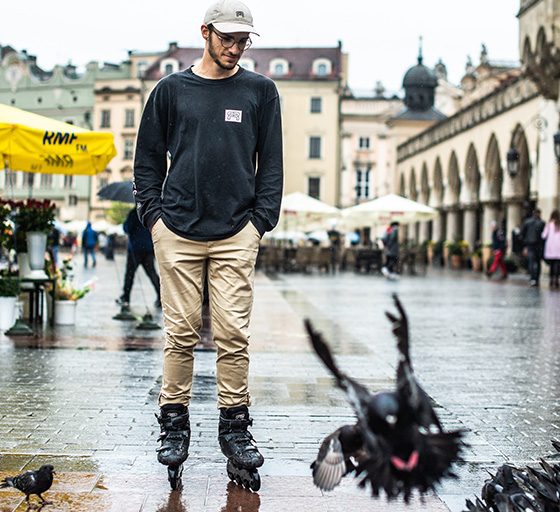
247, 63
364, 143
278, 67
128, 149
68, 181
362, 183
28, 179
322, 70
72, 200
314, 147
129, 118
316, 105
168, 66
105, 119
46, 181
11, 179
141, 68
314, 187
322, 67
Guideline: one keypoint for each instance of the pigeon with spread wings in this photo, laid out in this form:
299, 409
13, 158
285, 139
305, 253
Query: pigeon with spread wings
398, 444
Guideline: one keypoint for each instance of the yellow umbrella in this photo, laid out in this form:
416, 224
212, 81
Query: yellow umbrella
34, 143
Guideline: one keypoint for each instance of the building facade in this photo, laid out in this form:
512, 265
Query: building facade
62, 94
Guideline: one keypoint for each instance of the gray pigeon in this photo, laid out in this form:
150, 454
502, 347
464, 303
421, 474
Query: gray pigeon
32, 482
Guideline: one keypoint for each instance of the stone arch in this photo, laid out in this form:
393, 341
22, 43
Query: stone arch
471, 191
522, 181
402, 186
541, 46
436, 201
528, 54
412, 188
437, 188
493, 173
470, 199
453, 188
424, 185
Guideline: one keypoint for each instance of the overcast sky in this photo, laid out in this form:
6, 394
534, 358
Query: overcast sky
381, 38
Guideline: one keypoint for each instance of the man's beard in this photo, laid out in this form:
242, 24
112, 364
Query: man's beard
216, 58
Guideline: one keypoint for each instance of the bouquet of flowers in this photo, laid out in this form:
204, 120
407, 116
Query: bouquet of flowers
65, 288
27, 215
33, 215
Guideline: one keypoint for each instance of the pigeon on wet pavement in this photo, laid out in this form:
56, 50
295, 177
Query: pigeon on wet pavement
32, 482
398, 444
512, 489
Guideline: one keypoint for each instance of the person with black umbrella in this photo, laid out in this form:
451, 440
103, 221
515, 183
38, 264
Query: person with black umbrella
140, 252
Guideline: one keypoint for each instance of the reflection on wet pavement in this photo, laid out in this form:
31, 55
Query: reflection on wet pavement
83, 397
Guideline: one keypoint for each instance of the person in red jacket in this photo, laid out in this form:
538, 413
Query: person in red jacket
499, 248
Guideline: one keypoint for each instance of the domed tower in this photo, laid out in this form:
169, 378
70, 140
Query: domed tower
420, 85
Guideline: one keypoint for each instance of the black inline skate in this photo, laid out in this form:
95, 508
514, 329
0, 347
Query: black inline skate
238, 446
175, 437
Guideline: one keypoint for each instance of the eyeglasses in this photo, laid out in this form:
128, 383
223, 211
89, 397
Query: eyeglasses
228, 42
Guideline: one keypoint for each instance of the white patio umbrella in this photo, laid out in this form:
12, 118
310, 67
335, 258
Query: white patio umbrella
387, 209
304, 213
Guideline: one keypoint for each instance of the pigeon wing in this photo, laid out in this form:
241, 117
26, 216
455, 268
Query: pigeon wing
415, 397
330, 466
26, 482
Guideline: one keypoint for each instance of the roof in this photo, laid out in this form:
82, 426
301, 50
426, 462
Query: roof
300, 61
419, 76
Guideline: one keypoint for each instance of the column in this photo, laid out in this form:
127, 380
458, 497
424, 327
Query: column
514, 220
451, 231
469, 228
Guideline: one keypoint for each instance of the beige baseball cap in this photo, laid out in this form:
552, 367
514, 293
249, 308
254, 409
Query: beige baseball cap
230, 16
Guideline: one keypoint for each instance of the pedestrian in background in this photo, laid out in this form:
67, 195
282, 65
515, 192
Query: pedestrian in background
53, 243
533, 245
391, 246
140, 251
551, 236
220, 124
89, 242
499, 249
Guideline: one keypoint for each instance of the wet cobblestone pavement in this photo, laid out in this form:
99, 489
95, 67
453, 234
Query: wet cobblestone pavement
83, 397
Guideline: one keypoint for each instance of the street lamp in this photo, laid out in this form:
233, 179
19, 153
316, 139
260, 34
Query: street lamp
513, 159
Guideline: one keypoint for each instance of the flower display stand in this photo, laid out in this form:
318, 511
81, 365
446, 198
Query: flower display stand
65, 312
8, 312
36, 248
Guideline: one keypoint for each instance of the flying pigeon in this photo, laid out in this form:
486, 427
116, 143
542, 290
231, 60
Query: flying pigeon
398, 444
32, 482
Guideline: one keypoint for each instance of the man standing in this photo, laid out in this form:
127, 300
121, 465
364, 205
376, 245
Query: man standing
218, 126
533, 245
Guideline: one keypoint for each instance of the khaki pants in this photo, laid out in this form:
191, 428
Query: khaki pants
230, 264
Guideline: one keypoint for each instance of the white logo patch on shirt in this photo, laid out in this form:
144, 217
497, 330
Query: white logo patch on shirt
234, 116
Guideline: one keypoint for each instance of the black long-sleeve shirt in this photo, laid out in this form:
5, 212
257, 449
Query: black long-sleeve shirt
223, 140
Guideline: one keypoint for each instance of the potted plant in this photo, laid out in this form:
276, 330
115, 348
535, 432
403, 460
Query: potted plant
476, 260
456, 251
9, 289
66, 292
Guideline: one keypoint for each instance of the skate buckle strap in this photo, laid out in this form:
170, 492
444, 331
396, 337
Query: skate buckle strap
235, 423
174, 423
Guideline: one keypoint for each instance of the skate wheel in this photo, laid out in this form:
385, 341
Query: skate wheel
174, 476
255, 481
